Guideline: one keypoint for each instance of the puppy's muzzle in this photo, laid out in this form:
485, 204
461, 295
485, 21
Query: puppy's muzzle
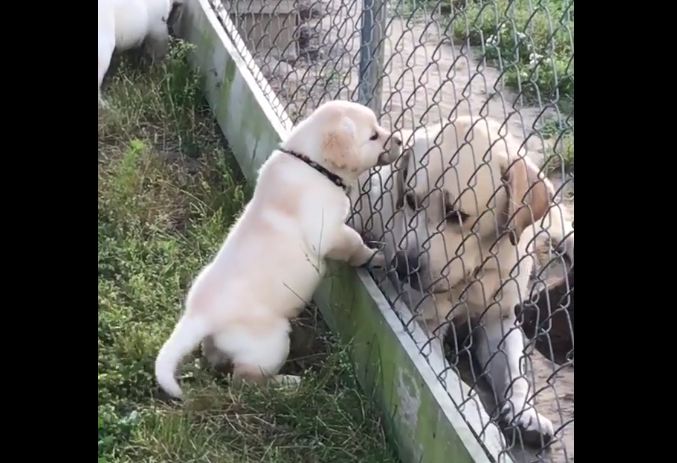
394, 148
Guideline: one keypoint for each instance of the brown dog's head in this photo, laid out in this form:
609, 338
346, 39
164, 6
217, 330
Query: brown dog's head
462, 188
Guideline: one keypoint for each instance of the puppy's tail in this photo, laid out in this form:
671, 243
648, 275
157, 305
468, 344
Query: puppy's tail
186, 336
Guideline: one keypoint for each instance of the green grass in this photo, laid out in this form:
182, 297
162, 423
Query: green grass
532, 41
168, 192
562, 153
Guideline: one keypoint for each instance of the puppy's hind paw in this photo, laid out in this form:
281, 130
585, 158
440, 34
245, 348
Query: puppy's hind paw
287, 381
165, 397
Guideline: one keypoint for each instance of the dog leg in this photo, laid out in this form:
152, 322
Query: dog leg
103, 103
215, 358
349, 247
258, 352
436, 350
499, 351
106, 41
106, 48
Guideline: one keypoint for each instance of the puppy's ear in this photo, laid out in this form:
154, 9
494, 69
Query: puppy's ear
529, 195
339, 145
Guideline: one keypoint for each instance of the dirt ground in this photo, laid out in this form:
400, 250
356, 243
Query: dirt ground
555, 400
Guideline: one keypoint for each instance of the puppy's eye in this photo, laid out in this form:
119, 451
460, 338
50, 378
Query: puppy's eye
455, 216
411, 200
374, 137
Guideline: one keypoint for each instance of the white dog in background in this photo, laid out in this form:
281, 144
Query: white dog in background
465, 215
128, 24
274, 257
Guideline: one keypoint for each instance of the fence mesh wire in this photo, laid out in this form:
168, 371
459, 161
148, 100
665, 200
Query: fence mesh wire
422, 62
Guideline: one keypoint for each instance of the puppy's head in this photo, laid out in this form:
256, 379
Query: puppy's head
462, 188
346, 138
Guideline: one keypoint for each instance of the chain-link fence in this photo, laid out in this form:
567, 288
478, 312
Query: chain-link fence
450, 74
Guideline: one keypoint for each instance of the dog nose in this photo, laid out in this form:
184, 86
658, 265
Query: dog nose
392, 151
405, 266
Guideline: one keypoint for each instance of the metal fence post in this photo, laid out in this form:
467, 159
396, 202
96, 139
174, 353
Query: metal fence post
371, 54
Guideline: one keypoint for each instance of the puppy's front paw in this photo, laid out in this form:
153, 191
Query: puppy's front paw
372, 258
377, 260
535, 429
363, 257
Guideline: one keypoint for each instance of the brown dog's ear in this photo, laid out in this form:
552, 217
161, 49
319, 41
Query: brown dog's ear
529, 195
339, 145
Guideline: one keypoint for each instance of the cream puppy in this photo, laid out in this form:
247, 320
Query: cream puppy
127, 24
275, 255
